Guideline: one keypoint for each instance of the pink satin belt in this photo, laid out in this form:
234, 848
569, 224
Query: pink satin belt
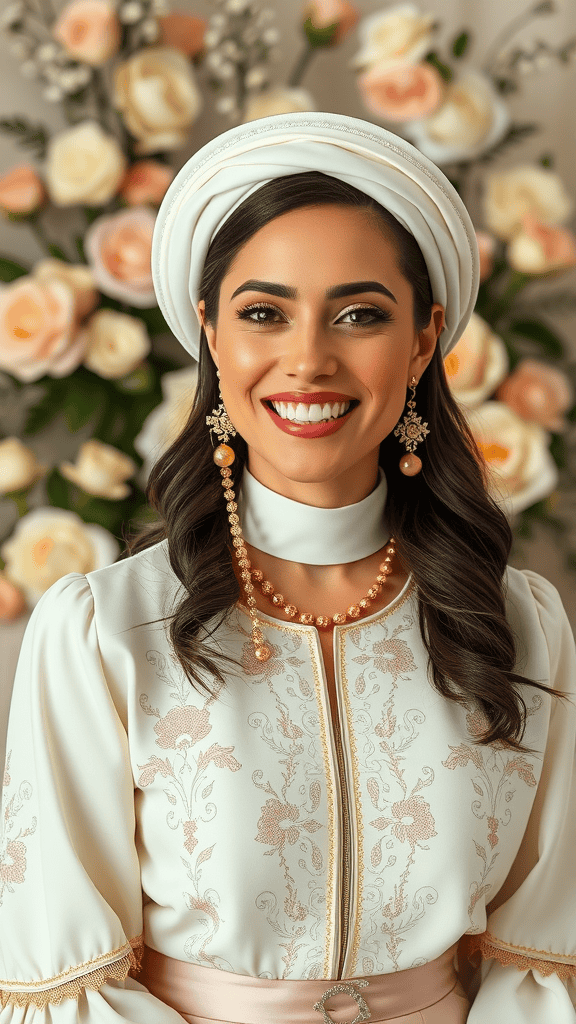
430, 994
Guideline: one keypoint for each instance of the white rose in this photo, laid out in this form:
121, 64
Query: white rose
84, 165
156, 91
163, 425
471, 120
398, 33
521, 468
524, 190
477, 364
79, 278
19, 467
278, 101
116, 343
101, 470
540, 248
48, 543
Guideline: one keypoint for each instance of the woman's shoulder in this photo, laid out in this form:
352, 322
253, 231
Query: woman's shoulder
538, 619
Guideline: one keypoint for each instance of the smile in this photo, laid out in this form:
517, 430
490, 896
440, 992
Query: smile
301, 424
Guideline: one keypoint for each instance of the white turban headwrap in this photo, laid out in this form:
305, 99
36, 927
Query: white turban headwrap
228, 169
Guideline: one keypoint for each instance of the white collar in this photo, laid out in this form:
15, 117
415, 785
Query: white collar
296, 532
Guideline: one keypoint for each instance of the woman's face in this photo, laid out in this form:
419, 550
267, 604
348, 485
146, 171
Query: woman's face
314, 313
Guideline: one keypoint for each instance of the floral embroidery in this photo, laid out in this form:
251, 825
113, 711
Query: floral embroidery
13, 849
189, 786
493, 782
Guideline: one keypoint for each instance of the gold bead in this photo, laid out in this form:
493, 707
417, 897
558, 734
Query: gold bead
257, 575
267, 587
381, 578
233, 519
339, 619
385, 567
364, 603
246, 575
226, 472
290, 610
306, 618
322, 621
251, 602
257, 636
229, 495
231, 506
353, 611
243, 563
263, 652
248, 587
224, 455
373, 591
278, 600
392, 540
225, 482
236, 531
390, 550
237, 542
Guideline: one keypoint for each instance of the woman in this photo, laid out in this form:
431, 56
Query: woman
308, 749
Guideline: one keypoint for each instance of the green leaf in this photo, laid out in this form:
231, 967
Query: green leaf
319, 36
155, 322
516, 133
571, 416
547, 160
57, 252
91, 213
46, 410
541, 335
10, 270
460, 44
443, 70
505, 86
58, 490
34, 137
79, 243
85, 395
558, 451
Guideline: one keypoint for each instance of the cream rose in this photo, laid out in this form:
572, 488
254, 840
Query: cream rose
38, 333
486, 250
116, 344
524, 190
48, 543
84, 165
477, 364
540, 249
277, 101
101, 470
471, 120
21, 190
118, 248
538, 392
521, 470
401, 91
157, 94
397, 33
19, 467
12, 601
88, 30
325, 13
79, 278
146, 182
163, 425
183, 32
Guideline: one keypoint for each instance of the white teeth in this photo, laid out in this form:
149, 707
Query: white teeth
301, 411
326, 412
314, 413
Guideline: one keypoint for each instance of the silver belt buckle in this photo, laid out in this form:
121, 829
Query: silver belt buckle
349, 988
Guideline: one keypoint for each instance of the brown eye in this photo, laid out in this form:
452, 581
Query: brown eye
260, 314
365, 316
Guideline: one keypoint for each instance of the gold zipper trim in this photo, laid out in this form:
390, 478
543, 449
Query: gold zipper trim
346, 854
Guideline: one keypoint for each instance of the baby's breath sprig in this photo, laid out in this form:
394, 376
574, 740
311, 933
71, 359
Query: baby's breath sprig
239, 42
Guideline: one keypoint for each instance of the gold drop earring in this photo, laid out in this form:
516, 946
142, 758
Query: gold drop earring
411, 431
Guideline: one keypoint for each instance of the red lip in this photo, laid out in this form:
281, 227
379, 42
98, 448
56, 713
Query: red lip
308, 429
310, 398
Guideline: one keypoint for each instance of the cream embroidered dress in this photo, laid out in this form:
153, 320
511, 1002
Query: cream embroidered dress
243, 832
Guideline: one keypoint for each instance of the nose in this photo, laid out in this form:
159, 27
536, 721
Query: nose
309, 352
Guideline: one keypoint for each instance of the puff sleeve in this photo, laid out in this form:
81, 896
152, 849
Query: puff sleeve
528, 970
70, 891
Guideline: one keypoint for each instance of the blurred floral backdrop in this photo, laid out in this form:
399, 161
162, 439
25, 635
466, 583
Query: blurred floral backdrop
82, 341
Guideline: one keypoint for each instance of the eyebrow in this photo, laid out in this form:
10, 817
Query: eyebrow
338, 291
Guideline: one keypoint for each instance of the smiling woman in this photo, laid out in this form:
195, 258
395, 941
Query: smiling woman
365, 774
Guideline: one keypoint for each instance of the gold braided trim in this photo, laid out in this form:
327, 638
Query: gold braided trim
520, 957
115, 965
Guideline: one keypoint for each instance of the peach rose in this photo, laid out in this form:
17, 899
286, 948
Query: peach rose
38, 329
157, 94
397, 33
486, 249
146, 182
183, 32
84, 165
117, 344
540, 249
19, 467
21, 190
524, 190
48, 543
88, 30
521, 468
12, 601
118, 248
401, 91
79, 278
476, 364
539, 393
163, 425
277, 101
101, 470
325, 13
471, 120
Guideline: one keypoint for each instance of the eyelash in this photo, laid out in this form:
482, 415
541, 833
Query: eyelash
378, 315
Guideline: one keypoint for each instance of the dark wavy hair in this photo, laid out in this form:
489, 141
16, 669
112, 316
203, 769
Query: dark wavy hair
450, 533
